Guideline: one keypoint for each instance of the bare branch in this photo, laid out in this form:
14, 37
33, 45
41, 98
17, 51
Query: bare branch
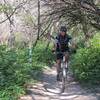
15, 9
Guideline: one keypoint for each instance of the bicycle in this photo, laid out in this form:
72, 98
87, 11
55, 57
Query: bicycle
64, 67
63, 72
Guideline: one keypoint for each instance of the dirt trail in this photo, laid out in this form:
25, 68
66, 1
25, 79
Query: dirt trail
48, 89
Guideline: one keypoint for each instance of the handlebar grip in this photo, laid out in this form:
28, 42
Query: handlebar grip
53, 51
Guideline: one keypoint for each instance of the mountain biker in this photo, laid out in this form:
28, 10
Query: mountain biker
61, 45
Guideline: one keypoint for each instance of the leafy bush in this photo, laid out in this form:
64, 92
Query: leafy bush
14, 70
86, 62
41, 56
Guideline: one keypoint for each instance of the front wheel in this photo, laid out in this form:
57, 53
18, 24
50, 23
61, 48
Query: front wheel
64, 77
63, 84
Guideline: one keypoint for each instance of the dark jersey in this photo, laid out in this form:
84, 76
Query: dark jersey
62, 43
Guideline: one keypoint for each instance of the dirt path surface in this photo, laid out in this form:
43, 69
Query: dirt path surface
48, 89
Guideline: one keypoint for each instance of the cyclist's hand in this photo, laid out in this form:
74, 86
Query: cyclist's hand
53, 50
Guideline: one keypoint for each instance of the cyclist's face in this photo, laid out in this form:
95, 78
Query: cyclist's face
62, 33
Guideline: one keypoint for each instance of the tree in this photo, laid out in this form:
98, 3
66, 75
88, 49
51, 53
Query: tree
75, 12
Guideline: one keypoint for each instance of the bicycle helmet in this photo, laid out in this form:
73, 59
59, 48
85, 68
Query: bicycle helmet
63, 29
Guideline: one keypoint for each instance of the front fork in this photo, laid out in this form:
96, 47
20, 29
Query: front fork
64, 68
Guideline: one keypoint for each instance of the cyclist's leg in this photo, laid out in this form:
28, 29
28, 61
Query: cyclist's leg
66, 57
58, 65
59, 57
58, 68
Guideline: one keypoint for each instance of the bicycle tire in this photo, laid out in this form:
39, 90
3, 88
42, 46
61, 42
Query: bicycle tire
64, 77
63, 85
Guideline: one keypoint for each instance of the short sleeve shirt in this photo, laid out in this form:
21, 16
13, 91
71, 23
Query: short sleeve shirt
62, 43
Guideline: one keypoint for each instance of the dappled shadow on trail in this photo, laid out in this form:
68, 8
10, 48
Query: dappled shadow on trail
48, 89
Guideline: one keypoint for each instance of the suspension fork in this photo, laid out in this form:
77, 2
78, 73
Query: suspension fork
63, 67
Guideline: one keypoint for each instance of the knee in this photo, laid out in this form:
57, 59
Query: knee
67, 56
58, 61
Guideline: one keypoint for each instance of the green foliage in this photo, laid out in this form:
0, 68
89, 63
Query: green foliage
96, 41
86, 62
14, 69
6, 8
11, 93
41, 56
81, 44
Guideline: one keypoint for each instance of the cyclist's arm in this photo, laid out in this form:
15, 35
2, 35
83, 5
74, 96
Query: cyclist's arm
55, 41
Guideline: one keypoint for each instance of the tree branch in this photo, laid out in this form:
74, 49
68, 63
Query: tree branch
15, 9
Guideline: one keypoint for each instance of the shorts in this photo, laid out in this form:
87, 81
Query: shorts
60, 55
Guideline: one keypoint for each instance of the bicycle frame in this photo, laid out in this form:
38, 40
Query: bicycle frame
63, 66
63, 73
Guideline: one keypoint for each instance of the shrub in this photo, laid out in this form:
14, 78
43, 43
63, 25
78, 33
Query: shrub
14, 70
86, 62
41, 56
